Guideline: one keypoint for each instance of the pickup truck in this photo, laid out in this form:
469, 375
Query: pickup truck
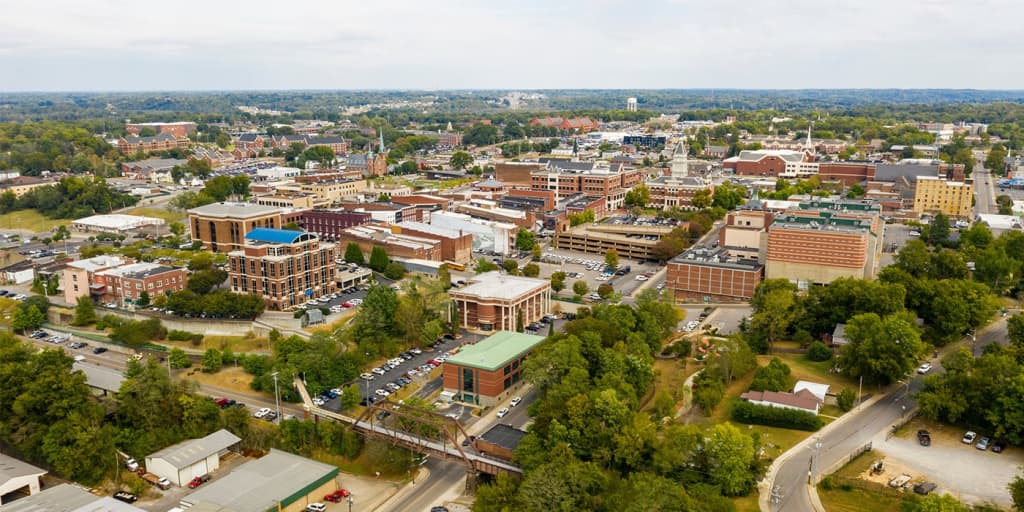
158, 481
197, 481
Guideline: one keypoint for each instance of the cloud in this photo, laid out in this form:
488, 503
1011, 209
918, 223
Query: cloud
117, 44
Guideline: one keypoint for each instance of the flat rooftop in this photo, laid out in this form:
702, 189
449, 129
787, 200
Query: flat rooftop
186, 453
495, 285
234, 210
495, 351
717, 258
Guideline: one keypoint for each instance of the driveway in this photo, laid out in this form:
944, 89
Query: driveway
976, 477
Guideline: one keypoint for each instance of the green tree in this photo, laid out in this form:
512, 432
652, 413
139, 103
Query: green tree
350, 397
484, 265
773, 318
731, 459
605, 290
531, 270
28, 319
536, 252
728, 196
379, 259
994, 159
353, 254
212, 360
1015, 331
85, 312
558, 281
460, 160
939, 503
882, 350
511, 266
525, 240
444, 276
773, 377
179, 359
938, 230
1016, 489
611, 258
580, 288
176, 228
846, 399
143, 300
701, 199
639, 195
394, 271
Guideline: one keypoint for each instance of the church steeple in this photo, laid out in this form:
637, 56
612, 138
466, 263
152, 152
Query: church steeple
680, 161
380, 148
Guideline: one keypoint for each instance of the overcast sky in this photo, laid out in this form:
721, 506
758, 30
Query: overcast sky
420, 44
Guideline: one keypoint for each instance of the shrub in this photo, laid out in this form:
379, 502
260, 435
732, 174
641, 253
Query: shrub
708, 392
846, 399
818, 351
773, 377
176, 335
746, 412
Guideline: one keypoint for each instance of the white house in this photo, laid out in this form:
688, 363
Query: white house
816, 389
186, 460
801, 401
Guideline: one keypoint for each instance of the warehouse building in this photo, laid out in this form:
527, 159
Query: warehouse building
186, 460
278, 481
489, 371
67, 498
18, 477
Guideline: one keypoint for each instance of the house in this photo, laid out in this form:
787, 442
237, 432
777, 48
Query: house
18, 476
839, 336
817, 389
186, 460
803, 400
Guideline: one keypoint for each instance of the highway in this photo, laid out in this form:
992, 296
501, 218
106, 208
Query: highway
836, 444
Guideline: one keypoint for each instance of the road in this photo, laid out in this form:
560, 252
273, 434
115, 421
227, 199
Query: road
985, 189
836, 444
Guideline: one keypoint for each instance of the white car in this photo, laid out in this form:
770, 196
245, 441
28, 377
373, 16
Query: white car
261, 413
924, 368
378, 371
316, 507
317, 401
601, 278
642, 277
367, 376
382, 393
356, 302
515, 401
502, 412
415, 351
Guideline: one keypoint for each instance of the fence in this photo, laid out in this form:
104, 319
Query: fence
847, 483
906, 418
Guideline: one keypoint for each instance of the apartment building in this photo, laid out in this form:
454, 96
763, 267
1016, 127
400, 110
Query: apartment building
497, 301
77, 277
126, 284
161, 142
939, 195
222, 227
713, 275
287, 268
822, 241
328, 224
567, 178
19, 185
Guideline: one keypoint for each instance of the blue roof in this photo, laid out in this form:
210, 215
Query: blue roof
277, 236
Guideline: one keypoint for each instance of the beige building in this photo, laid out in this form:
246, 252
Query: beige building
493, 301
21, 184
934, 195
222, 227
78, 276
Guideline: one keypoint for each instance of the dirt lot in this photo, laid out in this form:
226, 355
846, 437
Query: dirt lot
971, 475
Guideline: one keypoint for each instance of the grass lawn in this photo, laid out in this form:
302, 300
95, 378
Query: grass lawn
747, 503
342, 321
857, 499
30, 220
669, 374
160, 213
815, 371
238, 344
230, 377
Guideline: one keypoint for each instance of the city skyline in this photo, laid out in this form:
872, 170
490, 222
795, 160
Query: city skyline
782, 44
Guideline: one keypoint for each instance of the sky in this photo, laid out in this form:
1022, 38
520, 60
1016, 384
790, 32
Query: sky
116, 45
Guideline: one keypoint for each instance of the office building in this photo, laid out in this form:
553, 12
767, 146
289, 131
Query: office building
221, 227
495, 301
713, 275
490, 370
287, 268
938, 195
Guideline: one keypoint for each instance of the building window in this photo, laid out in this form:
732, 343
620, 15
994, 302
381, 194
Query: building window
468, 384
507, 370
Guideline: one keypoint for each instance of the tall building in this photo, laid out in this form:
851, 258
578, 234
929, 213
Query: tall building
287, 268
678, 188
631, 105
825, 240
495, 301
934, 195
221, 227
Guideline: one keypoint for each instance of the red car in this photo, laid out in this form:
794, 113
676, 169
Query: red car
197, 481
337, 496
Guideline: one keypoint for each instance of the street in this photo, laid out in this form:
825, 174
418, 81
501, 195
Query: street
838, 443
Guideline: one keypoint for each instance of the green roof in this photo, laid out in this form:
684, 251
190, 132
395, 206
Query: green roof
494, 352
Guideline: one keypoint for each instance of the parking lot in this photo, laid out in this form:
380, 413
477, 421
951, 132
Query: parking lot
976, 477
588, 268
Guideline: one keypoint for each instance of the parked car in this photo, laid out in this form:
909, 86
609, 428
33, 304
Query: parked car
924, 368
131, 465
924, 438
969, 437
983, 443
261, 413
998, 446
337, 496
469, 440
125, 496
197, 481
502, 412
367, 376
99, 350
515, 401
316, 507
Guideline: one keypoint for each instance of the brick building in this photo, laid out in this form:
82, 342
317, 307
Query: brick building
396, 245
713, 275
490, 370
77, 277
572, 124
495, 301
161, 142
849, 173
583, 203
178, 129
745, 231
221, 227
125, 284
328, 224
517, 173
456, 246
775, 163
287, 268
823, 241
669, 191
567, 178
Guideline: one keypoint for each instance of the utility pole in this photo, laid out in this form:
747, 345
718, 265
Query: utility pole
277, 402
860, 390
